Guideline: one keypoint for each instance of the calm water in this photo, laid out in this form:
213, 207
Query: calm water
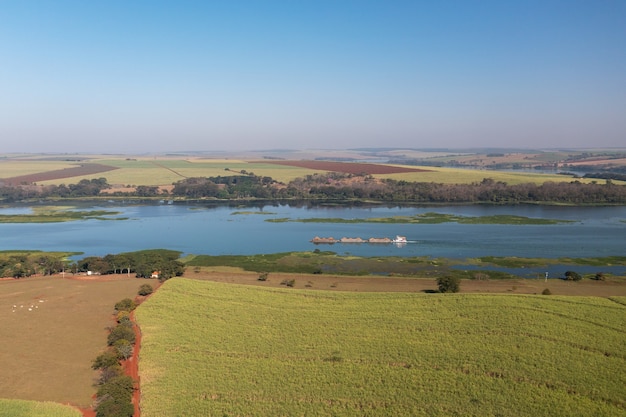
216, 230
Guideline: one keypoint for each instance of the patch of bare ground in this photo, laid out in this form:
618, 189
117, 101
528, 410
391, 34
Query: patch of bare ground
403, 284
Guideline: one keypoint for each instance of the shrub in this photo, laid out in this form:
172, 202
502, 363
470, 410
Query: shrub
123, 348
599, 276
288, 282
114, 407
572, 276
546, 292
145, 289
125, 305
263, 276
448, 283
105, 360
121, 332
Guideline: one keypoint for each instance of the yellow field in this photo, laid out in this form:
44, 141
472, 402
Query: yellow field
467, 176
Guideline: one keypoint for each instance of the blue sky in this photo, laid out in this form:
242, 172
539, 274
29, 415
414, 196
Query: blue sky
155, 76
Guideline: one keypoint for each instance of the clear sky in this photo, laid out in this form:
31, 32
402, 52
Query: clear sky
152, 76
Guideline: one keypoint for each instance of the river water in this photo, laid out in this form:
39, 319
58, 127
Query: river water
219, 230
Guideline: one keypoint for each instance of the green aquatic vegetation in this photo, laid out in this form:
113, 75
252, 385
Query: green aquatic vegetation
264, 213
515, 262
431, 218
59, 215
226, 349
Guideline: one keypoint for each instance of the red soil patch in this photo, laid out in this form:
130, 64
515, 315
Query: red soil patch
78, 171
348, 167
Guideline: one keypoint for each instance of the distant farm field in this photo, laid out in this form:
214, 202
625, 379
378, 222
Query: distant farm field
223, 349
166, 171
52, 329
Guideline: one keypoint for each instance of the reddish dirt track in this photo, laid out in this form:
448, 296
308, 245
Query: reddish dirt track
78, 171
347, 167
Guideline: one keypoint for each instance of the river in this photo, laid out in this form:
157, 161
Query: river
219, 230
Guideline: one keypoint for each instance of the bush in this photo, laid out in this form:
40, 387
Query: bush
599, 276
448, 283
121, 332
125, 305
123, 348
546, 292
288, 282
263, 276
105, 360
572, 276
145, 289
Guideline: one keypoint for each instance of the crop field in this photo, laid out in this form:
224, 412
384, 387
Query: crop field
216, 349
20, 408
52, 329
165, 171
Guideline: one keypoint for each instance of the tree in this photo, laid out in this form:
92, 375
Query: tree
105, 360
124, 348
573, 276
448, 283
145, 289
125, 305
121, 332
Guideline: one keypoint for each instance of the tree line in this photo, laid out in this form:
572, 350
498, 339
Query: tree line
142, 264
347, 187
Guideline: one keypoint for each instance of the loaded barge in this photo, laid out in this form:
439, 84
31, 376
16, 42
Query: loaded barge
331, 240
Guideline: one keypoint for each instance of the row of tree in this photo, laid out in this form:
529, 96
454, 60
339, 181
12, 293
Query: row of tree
142, 264
338, 186
115, 388
84, 188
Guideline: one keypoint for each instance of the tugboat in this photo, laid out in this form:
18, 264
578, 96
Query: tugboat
400, 239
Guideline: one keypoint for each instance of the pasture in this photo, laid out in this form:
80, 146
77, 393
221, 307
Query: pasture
52, 330
218, 349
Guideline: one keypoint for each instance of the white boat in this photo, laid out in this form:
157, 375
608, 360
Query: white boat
400, 239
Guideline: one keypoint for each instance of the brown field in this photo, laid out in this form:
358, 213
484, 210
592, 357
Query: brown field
617, 287
48, 350
77, 171
348, 167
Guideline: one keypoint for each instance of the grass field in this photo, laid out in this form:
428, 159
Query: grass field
215, 349
20, 408
57, 327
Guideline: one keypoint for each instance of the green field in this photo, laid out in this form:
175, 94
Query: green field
20, 408
216, 349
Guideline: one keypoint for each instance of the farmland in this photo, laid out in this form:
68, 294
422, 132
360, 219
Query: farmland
57, 327
20, 408
242, 350
163, 171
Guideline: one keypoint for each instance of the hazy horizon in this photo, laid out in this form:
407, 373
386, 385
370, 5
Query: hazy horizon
157, 76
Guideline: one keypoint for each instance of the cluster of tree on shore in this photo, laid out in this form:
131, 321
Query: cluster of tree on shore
346, 187
143, 264
336, 186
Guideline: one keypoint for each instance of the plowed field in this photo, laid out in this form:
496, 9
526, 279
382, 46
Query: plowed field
348, 167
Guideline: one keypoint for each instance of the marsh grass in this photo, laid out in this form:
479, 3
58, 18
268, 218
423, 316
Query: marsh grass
58, 214
430, 218
220, 349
